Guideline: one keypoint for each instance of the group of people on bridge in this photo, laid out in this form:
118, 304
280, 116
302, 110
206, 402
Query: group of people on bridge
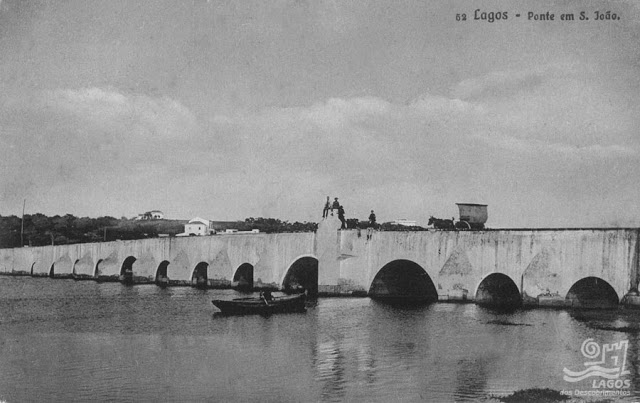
330, 207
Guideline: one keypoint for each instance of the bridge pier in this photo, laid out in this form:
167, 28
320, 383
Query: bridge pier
631, 299
327, 250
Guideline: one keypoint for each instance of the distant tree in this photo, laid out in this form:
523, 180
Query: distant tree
390, 226
271, 225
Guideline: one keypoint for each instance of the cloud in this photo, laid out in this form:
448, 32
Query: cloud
99, 140
498, 84
495, 139
531, 137
557, 150
138, 114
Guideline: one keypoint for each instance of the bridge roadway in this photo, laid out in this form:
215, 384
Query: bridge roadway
554, 267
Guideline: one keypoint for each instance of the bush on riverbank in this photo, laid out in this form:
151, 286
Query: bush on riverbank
535, 395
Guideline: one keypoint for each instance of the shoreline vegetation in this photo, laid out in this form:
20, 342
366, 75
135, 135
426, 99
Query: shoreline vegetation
42, 230
533, 395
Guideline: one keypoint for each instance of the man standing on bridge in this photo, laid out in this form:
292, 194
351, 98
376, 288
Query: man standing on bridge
341, 217
372, 224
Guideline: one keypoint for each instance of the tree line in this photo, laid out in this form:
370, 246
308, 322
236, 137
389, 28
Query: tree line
41, 230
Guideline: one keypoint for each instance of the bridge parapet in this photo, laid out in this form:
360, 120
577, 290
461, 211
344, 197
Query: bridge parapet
543, 266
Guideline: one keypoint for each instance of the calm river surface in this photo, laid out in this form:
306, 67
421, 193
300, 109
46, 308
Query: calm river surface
62, 340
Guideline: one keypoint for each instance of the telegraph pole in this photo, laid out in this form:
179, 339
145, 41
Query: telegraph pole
22, 225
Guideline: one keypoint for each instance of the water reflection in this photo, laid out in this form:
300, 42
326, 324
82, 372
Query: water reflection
471, 377
331, 369
147, 343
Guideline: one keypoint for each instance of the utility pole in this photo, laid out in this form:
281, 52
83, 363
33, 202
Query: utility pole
22, 225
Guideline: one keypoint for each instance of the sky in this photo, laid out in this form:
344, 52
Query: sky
234, 109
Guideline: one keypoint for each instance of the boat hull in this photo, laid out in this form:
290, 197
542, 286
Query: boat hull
248, 306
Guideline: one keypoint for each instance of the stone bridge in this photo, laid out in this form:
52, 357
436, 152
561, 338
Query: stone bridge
559, 267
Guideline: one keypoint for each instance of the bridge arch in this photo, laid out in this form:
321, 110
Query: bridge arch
199, 278
96, 271
301, 275
243, 277
403, 280
52, 270
83, 268
592, 293
498, 290
162, 276
126, 270
73, 269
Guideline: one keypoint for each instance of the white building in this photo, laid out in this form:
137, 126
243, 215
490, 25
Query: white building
198, 226
151, 215
235, 231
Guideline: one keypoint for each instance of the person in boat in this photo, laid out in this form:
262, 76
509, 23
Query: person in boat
266, 296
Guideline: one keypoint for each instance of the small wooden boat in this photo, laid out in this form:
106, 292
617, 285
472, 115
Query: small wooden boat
257, 305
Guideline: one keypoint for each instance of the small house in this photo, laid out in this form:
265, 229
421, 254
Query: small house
198, 226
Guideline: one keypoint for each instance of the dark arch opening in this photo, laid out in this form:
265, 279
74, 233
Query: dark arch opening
96, 273
51, 271
403, 281
592, 293
126, 271
34, 263
243, 279
302, 276
73, 271
199, 278
162, 279
498, 290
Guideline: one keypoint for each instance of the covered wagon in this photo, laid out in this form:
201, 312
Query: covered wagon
472, 216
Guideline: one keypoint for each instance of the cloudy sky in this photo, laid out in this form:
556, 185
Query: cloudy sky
231, 109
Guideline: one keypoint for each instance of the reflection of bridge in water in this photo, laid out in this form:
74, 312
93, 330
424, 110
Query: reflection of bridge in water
554, 267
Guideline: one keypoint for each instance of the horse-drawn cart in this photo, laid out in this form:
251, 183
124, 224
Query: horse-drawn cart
472, 216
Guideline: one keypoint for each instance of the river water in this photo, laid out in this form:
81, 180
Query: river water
62, 340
